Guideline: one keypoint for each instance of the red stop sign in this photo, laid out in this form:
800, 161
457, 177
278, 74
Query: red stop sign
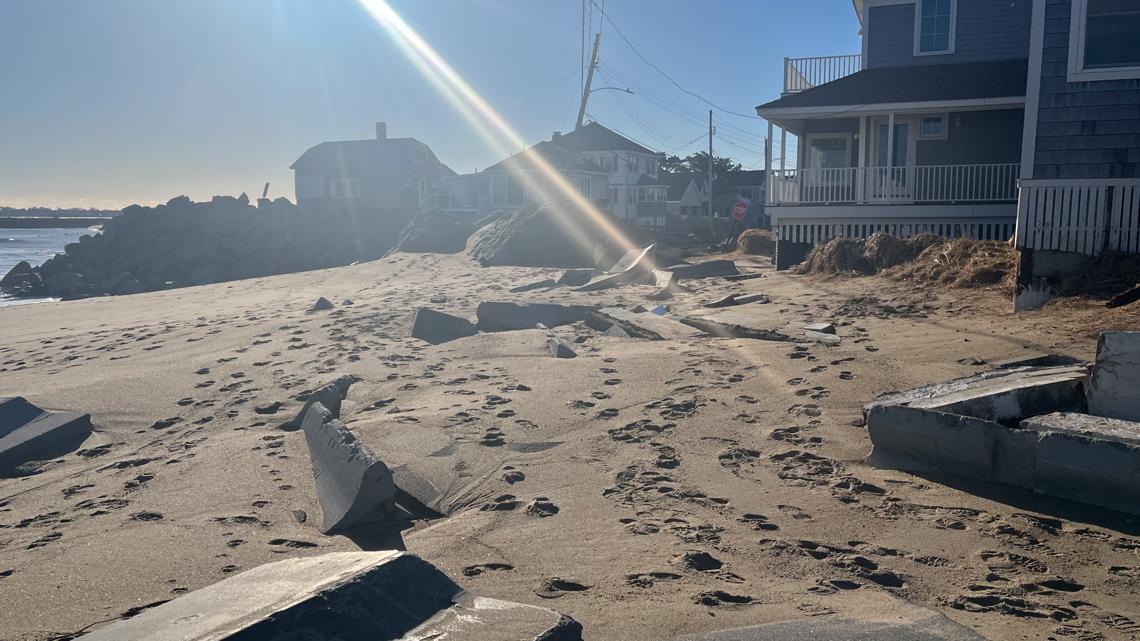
740, 210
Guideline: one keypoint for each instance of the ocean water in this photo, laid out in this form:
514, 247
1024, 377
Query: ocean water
34, 246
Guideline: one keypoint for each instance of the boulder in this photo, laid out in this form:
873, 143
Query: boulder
1115, 387
353, 486
503, 316
322, 304
29, 433
347, 596
22, 280
438, 327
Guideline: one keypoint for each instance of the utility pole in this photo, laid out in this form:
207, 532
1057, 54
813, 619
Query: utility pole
589, 80
712, 226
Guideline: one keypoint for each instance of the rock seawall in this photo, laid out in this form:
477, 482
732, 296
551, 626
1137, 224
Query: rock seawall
183, 243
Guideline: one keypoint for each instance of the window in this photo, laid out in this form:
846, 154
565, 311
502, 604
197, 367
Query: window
829, 153
932, 127
1104, 41
345, 188
934, 27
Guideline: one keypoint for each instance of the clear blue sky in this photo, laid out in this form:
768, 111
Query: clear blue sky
111, 102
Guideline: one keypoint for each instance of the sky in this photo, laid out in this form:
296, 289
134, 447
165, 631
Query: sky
105, 103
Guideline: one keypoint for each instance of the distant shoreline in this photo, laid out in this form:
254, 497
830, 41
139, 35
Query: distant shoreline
51, 222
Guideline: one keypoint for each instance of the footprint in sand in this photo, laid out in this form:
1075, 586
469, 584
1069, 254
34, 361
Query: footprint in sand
718, 598
647, 579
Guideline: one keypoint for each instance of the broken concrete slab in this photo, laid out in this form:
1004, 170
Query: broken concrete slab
437, 327
576, 277
320, 597
646, 324
733, 323
636, 258
735, 278
831, 340
330, 396
727, 301
542, 284
616, 331
1115, 387
1000, 395
706, 269
752, 298
1033, 359
322, 304
502, 316
353, 486
559, 348
823, 328
1086, 458
28, 433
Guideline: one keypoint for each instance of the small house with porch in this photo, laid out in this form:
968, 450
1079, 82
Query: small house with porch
919, 132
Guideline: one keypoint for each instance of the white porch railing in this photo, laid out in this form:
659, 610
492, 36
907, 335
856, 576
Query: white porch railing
917, 184
1082, 216
805, 73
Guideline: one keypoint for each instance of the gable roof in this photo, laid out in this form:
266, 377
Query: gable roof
920, 83
594, 136
679, 182
555, 154
369, 153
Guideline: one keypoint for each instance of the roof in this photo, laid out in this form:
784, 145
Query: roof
920, 83
679, 182
555, 155
355, 153
597, 137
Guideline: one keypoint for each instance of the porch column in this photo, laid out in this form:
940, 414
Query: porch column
783, 149
767, 162
861, 164
890, 181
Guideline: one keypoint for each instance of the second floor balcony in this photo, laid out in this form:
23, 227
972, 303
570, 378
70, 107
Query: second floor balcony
805, 73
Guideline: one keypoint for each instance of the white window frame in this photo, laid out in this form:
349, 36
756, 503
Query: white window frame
945, 127
1077, 33
344, 188
918, 30
848, 143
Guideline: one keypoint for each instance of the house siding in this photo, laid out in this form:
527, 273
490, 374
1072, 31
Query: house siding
985, 30
1084, 129
984, 137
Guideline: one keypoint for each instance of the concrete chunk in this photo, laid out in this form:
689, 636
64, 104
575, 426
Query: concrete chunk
706, 269
559, 348
330, 396
633, 259
823, 328
322, 304
1115, 388
438, 327
734, 323
352, 484
576, 277
915, 439
346, 596
29, 433
822, 338
999, 395
501, 316
541, 284
648, 324
752, 298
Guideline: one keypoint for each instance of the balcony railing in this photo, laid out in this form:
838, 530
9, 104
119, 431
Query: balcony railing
805, 73
916, 184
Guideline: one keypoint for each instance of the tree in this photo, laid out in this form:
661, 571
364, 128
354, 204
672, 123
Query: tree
699, 162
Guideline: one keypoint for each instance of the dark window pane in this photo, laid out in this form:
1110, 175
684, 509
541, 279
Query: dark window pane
1112, 40
942, 42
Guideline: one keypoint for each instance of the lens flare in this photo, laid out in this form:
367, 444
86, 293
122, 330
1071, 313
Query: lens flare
537, 173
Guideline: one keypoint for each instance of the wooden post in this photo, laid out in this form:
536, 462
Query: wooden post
861, 163
890, 184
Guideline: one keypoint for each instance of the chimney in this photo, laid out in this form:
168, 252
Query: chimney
381, 131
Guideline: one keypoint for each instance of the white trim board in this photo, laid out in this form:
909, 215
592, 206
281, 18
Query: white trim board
883, 108
877, 211
1033, 89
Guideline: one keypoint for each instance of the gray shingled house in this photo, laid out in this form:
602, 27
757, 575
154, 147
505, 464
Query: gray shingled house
381, 174
1080, 168
920, 132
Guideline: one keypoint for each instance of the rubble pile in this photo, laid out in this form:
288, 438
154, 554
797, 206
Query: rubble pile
551, 234
183, 243
756, 241
436, 232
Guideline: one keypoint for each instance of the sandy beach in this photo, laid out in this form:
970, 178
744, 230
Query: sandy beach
646, 488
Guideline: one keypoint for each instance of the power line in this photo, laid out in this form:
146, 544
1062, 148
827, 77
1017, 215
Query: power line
666, 76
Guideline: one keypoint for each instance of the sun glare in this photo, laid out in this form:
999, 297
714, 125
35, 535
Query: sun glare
497, 134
